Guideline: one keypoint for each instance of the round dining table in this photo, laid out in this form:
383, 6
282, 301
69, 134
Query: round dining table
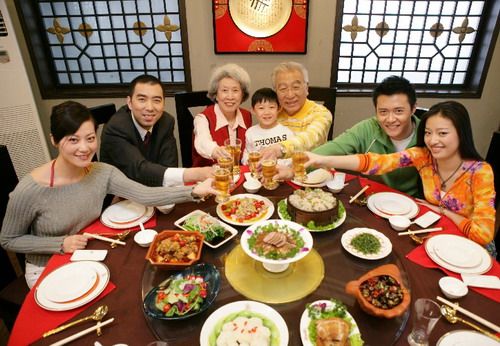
134, 277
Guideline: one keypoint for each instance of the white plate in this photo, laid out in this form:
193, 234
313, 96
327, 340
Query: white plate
393, 206
305, 320
304, 232
124, 212
266, 216
437, 243
336, 224
465, 338
459, 253
179, 223
103, 279
143, 219
68, 282
323, 183
385, 243
373, 201
244, 305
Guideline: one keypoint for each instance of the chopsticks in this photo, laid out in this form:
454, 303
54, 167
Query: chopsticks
100, 237
427, 230
359, 194
470, 314
82, 333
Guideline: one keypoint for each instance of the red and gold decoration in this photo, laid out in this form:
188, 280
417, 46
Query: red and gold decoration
260, 26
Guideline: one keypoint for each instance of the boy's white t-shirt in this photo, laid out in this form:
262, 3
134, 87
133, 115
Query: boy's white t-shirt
258, 138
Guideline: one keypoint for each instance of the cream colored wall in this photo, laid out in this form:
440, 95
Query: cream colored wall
485, 111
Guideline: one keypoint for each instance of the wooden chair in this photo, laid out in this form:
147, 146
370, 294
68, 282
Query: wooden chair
183, 102
13, 287
326, 96
102, 114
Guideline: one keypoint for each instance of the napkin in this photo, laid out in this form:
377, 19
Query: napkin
98, 227
25, 331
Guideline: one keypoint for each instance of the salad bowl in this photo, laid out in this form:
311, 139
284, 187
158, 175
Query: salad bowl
194, 301
258, 243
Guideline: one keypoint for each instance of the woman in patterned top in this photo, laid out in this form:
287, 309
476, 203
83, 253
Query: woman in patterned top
457, 182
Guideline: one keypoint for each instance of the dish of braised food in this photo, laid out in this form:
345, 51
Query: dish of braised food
382, 291
327, 322
177, 249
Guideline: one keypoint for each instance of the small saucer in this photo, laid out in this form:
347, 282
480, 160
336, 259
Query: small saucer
453, 288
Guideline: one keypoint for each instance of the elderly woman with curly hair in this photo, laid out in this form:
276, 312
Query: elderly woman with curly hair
228, 88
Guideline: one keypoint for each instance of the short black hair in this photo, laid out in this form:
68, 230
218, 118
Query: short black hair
395, 85
67, 117
263, 95
458, 115
144, 79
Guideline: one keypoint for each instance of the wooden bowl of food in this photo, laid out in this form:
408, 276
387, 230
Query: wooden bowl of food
175, 249
381, 292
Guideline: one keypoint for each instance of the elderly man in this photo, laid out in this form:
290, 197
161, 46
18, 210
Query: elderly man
139, 139
309, 121
393, 129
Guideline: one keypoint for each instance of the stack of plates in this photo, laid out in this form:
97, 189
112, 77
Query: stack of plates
387, 204
458, 254
72, 285
126, 214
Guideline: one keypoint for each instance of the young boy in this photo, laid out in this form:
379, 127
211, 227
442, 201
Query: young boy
268, 131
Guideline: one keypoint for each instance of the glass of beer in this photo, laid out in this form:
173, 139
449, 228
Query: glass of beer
223, 178
234, 148
268, 172
226, 163
253, 163
298, 159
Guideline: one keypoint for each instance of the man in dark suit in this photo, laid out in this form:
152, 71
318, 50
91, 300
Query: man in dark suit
139, 139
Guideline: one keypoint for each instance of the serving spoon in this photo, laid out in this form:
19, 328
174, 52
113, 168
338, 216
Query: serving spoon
451, 316
98, 314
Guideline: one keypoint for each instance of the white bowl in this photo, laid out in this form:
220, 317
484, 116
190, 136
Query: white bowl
145, 238
453, 288
165, 209
252, 186
334, 186
399, 223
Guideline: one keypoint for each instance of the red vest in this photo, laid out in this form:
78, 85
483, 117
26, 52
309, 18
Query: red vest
221, 134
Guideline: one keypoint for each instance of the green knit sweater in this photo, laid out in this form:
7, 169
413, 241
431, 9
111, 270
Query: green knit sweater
368, 135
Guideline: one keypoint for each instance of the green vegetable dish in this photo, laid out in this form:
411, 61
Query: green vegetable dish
332, 324
206, 225
183, 295
283, 212
366, 243
245, 328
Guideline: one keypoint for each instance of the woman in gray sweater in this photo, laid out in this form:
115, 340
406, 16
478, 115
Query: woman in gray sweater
56, 200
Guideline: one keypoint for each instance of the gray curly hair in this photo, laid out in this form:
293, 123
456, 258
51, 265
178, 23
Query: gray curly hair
232, 71
289, 66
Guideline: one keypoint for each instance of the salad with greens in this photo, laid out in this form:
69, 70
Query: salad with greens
206, 225
183, 295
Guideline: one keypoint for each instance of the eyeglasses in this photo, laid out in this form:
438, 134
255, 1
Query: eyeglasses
294, 88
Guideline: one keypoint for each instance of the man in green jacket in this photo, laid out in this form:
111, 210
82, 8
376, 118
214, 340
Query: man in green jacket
392, 129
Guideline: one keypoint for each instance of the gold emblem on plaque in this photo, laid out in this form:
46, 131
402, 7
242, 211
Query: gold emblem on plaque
260, 18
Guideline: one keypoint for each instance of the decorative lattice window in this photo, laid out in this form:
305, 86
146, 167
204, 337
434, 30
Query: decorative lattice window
438, 45
95, 48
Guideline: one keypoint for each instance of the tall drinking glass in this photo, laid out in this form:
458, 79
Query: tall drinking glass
268, 172
253, 163
298, 159
223, 178
426, 313
234, 148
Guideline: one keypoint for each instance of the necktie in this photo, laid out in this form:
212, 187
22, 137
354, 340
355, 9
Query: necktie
147, 139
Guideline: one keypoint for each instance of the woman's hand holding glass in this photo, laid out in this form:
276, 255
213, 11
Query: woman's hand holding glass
219, 152
205, 189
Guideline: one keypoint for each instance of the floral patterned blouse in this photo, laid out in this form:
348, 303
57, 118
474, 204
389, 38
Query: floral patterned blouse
472, 195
